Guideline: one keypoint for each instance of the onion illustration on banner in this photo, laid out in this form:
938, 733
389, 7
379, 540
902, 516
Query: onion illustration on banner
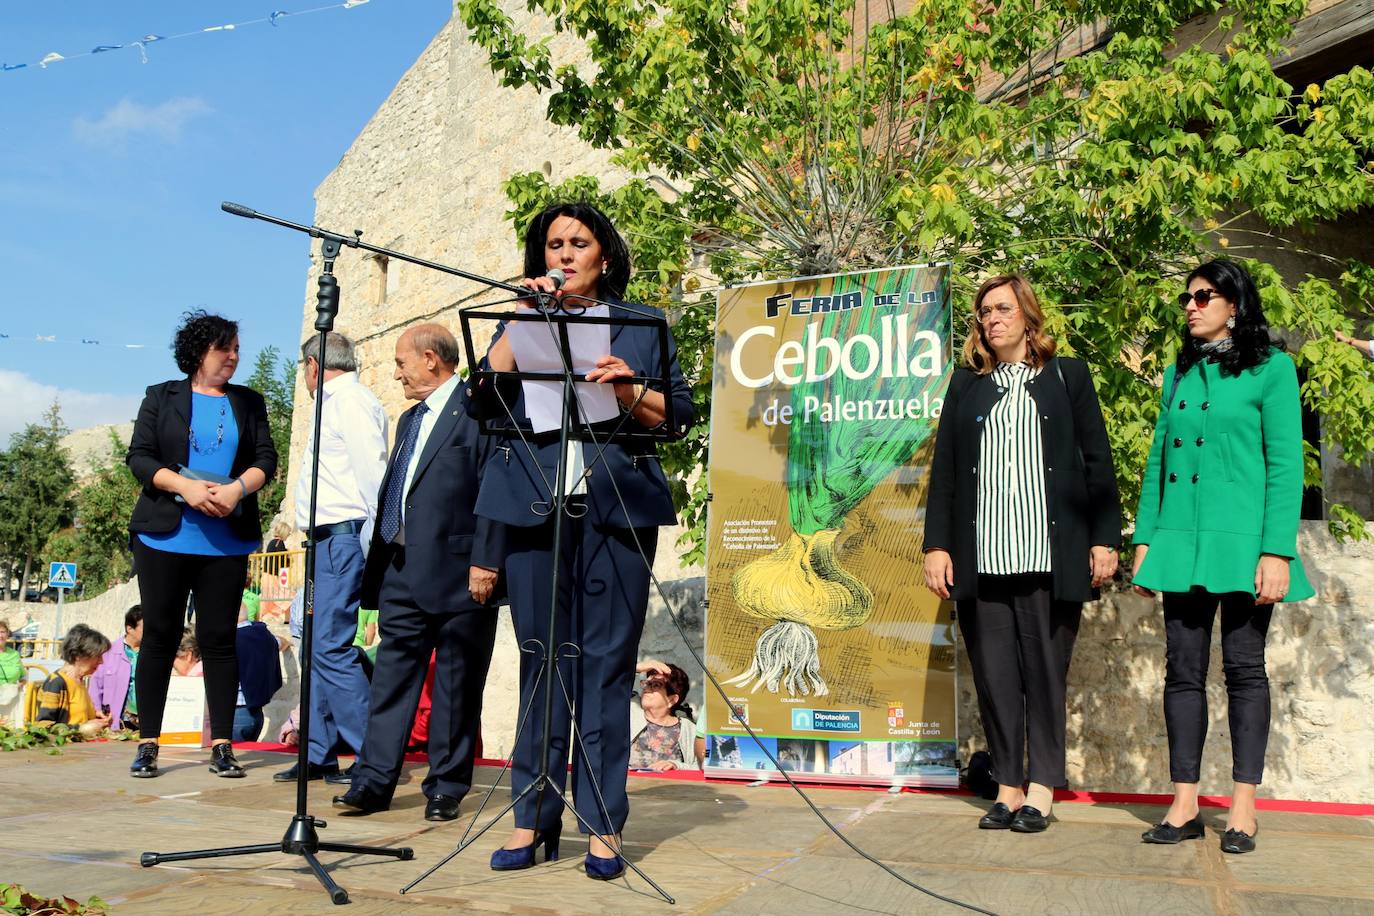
832, 465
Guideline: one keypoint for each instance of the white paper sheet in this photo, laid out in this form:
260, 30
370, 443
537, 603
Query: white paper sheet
537, 349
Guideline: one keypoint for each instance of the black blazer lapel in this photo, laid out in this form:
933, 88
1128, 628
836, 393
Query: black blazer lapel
179, 400
240, 408
985, 394
443, 428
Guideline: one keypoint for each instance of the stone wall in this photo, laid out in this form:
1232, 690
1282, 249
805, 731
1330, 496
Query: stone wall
424, 177
1320, 659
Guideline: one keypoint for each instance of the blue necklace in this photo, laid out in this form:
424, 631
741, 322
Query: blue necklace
219, 433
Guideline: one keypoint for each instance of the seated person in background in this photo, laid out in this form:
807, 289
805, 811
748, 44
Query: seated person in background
63, 699
665, 733
250, 602
366, 640
259, 675
11, 665
290, 733
187, 663
112, 686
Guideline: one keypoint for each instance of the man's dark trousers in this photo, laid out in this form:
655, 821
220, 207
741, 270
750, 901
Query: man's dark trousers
463, 641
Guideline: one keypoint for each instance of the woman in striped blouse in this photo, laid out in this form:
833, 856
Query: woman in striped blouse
1022, 524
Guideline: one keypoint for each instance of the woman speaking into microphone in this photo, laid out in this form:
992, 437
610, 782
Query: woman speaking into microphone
620, 501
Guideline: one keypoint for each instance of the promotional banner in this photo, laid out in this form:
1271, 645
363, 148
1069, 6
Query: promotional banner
827, 394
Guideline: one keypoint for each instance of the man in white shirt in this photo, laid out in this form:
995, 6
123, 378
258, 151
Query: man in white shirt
353, 454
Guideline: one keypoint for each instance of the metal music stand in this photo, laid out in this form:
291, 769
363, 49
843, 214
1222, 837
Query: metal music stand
572, 428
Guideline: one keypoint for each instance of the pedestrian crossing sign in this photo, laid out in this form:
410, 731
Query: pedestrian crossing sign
62, 575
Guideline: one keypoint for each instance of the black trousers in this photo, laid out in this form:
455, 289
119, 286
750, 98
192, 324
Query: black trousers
165, 580
462, 644
1188, 619
603, 594
1020, 641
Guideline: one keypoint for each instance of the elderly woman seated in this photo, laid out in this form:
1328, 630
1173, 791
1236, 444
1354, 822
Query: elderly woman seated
665, 733
63, 699
187, 662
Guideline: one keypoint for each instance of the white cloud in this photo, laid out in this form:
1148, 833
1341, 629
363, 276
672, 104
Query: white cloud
23, 401
127, 119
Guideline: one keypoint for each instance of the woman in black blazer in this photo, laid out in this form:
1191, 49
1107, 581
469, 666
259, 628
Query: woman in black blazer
1022, 522
202, 449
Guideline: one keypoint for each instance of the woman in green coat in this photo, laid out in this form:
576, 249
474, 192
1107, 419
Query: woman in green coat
1218, 526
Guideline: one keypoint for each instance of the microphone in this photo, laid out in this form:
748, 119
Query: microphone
558, 278
238, 209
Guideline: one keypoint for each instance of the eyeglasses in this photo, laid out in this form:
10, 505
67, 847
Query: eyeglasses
1004, 310
1201, 297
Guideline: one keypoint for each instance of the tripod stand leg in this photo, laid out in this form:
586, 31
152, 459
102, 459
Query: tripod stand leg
149, 859
609, 841
336, 893
404, 853
538, 785
600, 802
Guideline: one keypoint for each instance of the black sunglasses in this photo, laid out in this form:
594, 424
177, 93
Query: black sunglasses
1201, 297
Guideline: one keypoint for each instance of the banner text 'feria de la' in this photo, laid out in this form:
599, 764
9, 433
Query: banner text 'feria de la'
827, 394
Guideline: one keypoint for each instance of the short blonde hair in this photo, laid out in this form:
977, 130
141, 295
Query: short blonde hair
978, 355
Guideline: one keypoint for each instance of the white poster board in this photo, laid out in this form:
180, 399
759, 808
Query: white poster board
184, 721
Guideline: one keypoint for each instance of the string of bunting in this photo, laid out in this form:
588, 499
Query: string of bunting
54, 339
141, 44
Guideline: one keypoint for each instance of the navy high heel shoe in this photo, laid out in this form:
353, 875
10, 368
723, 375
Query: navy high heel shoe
600, 869
516, 859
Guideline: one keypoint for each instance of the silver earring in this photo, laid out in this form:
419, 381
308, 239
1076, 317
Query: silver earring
1231, 321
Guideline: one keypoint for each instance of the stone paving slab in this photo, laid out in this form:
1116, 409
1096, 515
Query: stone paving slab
75, 824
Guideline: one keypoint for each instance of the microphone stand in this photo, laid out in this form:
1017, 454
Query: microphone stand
301, 837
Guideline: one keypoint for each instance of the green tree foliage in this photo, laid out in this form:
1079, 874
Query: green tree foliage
800, 137
35, 491
98, 541
274, 377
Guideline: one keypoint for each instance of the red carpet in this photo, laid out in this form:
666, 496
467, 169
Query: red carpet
1105, 798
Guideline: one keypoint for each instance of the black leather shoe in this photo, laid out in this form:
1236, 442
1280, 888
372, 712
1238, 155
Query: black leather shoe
1166, 834
313, 771
222, 762
361, 800
341, 777
145, 763
1238, 841
1028, 820
442, 808
999, 817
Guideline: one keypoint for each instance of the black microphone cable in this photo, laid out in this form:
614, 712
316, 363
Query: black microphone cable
696, 656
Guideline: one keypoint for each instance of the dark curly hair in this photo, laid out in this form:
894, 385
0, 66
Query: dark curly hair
613, 248
1251, 341
197, 333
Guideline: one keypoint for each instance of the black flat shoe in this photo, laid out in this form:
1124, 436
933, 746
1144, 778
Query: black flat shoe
1238, 841
1166, 834
442, 808
1029, 820
222, 762
339, 777
145, 763
361, 800
999, 817
312, 771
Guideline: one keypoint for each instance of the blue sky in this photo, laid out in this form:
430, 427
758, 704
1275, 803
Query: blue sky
112, 172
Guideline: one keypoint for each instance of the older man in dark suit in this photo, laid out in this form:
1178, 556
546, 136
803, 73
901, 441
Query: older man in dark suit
433, 573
